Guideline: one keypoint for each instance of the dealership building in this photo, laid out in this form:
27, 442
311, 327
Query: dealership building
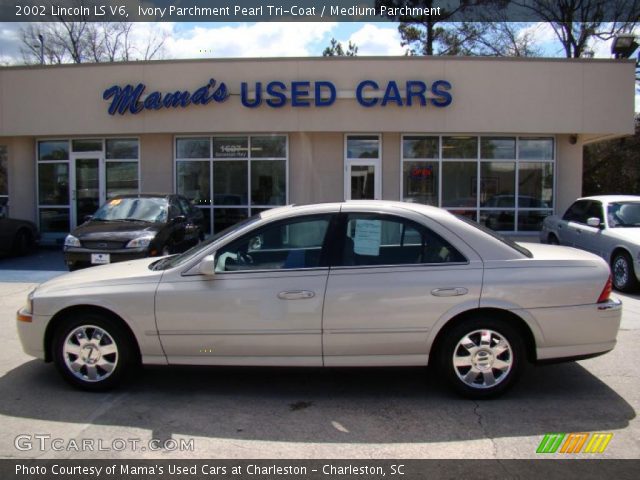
499, 140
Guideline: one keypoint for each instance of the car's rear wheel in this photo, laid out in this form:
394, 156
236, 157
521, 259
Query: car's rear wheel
93, 352
481, 357
624, 275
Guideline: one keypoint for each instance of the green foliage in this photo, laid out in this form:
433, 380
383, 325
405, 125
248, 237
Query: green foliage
613, 166
336, 49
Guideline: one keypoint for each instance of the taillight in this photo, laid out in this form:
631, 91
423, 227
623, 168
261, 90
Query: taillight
606, 291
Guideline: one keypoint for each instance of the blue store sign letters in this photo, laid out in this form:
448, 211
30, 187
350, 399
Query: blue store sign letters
277, 94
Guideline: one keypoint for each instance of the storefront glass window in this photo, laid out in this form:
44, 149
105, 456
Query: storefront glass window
421, 182
507, 183
268, 182
121, 148
459, 184
536, 185
420, 147
498, 148
193, 148
121, 178
241, 175
230, 183
4, 178
78, 175
460, 147
193, 181
269, 146
53, 150
535, 149
363, 146
230, 147
53, 183
86, 145
497, 184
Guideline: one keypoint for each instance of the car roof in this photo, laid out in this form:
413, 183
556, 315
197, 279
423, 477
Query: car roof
613, 198
147, 195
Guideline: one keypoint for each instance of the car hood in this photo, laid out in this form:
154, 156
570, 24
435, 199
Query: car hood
121, 273
108, 230
631, 235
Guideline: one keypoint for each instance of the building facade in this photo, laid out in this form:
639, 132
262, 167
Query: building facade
497, 140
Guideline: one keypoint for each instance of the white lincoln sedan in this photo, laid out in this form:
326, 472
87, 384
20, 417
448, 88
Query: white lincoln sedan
363, 284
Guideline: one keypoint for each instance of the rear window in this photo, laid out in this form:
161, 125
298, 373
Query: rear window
497, 236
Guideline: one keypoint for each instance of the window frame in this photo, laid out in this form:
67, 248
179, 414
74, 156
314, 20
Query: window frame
328, 243
250, 208
336, 260
516, 209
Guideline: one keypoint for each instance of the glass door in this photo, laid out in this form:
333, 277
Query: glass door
87, 193
362, 180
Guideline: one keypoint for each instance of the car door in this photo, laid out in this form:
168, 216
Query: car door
570, 225
191, 228
393, 280
590, 238
263, 305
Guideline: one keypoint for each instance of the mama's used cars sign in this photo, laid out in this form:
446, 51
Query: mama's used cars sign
276, 94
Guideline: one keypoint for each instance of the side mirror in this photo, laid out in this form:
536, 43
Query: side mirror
179, 219
594, 222
208, 265
87, 218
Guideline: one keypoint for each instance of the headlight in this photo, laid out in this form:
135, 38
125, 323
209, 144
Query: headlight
71, 241
28, 307
140, 242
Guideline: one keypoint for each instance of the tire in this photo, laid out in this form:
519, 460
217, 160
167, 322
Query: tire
93, 352
478, 371
553, 240
22, 242
623, 273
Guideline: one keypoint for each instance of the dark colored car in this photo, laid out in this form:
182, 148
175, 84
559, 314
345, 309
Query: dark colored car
134, 226
16, 236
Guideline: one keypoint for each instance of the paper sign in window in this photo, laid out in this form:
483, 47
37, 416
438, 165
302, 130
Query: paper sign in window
367, 237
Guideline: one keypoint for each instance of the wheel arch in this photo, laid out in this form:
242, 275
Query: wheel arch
59, 318
618, 249
521, 325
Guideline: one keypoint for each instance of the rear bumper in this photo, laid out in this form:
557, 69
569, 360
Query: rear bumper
578, 331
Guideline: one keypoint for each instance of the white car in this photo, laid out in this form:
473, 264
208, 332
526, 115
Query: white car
363, 283
607, 225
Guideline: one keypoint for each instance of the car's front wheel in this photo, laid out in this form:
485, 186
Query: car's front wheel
93, 352
624, 276
481, 357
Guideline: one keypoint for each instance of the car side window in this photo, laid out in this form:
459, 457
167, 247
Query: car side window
185, 208
373, 239
577, 212
595, 210
289, 244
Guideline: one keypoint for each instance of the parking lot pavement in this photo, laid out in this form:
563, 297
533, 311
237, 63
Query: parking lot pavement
296, 413
37, 267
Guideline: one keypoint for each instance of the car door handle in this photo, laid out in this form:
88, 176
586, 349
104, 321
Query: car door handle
296, 295
449, 292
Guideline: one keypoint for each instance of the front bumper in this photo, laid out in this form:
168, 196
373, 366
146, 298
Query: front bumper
74, 256
31, 333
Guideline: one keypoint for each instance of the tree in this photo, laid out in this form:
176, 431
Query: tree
336, 50
83, 41
577, 23
613, 166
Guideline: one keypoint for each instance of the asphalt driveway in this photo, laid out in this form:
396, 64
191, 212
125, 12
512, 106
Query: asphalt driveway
308, 413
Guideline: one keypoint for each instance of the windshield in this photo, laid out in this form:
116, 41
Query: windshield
133, 209
497, 236
176, 260
623, 214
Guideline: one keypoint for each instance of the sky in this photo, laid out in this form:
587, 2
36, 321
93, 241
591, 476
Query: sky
271, 39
